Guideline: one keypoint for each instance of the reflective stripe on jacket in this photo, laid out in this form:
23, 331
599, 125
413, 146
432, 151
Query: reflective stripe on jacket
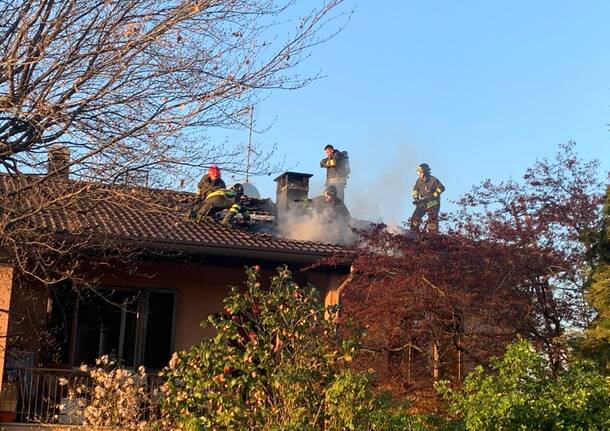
335, 166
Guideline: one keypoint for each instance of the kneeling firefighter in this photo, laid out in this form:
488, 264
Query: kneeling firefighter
223, 199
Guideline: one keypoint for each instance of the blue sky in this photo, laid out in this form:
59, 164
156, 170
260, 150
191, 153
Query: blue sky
476, 89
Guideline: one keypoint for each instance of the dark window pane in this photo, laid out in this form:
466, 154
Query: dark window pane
59, 325
106, 326
129, 336
159, 329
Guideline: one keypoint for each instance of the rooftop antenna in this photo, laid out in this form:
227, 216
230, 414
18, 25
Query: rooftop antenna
251, 109
249, 189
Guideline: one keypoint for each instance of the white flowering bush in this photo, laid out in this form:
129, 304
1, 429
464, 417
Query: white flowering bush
115, 397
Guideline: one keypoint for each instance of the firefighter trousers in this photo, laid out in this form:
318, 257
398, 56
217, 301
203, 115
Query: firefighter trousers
432, 222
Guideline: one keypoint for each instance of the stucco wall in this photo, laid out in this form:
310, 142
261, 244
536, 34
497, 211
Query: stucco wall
6, 286
201, 289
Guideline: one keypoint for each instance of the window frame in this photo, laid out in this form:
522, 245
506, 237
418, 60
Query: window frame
141, 330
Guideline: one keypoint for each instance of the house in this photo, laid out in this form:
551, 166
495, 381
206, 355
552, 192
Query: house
139, 313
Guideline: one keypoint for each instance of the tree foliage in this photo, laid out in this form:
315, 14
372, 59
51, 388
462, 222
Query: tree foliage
552, 210
513, 263
595, 342
521, 391
274, 364
124, 83
432, 305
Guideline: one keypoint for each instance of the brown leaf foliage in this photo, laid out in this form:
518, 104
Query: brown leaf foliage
513, 264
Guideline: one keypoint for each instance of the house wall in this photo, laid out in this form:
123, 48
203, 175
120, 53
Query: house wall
6, 288
28, 308
201, 289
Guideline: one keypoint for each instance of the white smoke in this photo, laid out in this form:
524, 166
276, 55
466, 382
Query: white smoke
379, 187
378, 190
301, 223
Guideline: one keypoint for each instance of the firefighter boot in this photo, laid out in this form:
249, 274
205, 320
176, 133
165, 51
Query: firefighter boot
228, 219
432, 227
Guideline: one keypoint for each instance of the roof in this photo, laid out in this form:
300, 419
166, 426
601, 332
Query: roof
162, 226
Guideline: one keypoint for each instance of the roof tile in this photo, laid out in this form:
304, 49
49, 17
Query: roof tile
165, 225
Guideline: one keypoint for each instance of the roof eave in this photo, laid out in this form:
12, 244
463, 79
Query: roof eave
206, 249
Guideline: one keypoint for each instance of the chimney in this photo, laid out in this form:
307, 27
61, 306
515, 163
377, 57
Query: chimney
291, 187
59, 161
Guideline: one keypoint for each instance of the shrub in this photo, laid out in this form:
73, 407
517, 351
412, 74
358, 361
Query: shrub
522, 393
116, 397
275, 364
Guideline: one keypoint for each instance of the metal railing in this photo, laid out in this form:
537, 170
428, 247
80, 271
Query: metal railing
43, 395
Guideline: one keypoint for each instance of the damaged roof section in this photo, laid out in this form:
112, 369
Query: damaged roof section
154, 219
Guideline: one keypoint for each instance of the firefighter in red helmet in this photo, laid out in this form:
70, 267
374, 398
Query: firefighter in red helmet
210, 182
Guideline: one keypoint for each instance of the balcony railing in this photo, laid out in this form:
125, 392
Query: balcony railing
43, 395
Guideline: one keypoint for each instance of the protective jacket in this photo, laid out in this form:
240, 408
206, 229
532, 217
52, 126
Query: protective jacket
428, 191
207, 185
336, 167
219, 200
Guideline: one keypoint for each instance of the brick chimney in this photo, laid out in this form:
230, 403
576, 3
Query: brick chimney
59, 161
291, 187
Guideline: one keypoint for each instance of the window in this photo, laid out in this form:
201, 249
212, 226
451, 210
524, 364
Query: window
159, 329
107, 325
134, 326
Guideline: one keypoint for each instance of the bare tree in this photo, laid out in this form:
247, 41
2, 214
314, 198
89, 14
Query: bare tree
133, 83
121, 86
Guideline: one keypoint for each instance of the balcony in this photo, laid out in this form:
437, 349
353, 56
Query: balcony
41, 396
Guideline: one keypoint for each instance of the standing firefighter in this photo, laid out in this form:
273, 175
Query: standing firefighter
223, 199
426, 198
337, 169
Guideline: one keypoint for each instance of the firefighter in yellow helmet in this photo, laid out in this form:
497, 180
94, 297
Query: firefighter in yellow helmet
427, 199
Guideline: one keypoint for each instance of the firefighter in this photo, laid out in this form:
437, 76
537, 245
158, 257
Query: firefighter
427, 199
224, 199
210, 182
337, 169
330, 208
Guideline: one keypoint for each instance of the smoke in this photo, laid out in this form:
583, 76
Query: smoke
379, 187
378, 190
300, 223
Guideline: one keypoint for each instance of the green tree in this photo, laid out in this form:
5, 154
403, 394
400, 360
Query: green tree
596, 341
521, 392
275, 364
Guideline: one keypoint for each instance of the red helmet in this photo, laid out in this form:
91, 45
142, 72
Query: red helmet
214, 170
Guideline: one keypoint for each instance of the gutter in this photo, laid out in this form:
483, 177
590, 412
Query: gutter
281, 255
340, 289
